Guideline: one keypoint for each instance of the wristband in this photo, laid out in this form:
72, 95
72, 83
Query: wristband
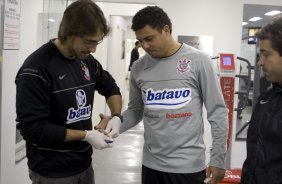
118, 115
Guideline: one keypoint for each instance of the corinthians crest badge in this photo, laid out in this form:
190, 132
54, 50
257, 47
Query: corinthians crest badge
183, 65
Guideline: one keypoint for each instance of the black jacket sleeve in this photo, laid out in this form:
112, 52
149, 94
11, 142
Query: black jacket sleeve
32, 108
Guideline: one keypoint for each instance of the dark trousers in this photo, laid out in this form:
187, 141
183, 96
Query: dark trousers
150, 176
86, 177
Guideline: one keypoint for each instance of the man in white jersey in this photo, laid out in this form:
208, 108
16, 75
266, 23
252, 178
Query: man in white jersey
168, 87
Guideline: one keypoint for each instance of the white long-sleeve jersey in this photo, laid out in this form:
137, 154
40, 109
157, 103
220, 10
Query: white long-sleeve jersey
168, 94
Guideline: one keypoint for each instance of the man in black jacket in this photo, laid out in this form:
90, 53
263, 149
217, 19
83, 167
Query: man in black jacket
264, 139
55, 94
134, 54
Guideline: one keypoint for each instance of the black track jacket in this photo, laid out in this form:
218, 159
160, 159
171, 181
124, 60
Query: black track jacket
55, 93
264, 141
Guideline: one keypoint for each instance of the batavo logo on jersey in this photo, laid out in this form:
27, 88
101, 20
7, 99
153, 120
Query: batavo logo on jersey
82, 112
178, 115
166, 98
183, 66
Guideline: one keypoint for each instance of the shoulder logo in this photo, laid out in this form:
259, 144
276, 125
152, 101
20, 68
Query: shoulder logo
183, 65
62, 76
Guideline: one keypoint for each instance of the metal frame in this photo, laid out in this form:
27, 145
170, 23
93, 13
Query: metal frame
245, 94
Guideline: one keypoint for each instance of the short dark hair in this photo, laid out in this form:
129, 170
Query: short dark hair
82, 17
153, 16
272, 31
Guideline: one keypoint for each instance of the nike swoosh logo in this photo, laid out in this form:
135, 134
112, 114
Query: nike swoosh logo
263, 102
62, 76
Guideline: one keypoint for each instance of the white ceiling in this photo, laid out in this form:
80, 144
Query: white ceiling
251, 10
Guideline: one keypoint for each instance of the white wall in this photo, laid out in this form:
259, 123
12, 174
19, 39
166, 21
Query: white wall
8, 124
218, 18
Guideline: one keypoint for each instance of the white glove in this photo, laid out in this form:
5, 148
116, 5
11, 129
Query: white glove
98, 140
112, 129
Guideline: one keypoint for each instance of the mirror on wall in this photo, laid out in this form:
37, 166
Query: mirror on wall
249, 51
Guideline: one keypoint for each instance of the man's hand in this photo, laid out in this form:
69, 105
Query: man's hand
103, 123
113, 127
98, 140
216, 174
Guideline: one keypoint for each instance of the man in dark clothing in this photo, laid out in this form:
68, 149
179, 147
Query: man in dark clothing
54, 101
134, 54
264, 139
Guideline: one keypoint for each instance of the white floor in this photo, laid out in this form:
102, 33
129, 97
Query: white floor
122, 163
